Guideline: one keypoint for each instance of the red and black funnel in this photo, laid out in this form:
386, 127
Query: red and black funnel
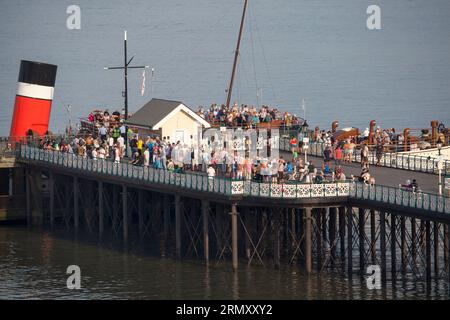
33, 98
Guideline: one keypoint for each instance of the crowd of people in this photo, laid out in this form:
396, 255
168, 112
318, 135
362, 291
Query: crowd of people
179, 157
246, 116
109, 139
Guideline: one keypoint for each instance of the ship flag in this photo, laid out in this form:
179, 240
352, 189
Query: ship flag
143, 83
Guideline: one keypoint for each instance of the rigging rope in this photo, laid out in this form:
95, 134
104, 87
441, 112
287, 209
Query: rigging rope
265, 62
253, 52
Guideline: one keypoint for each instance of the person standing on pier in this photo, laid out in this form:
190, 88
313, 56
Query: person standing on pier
102, 131
338, 154
379, 151
365, 156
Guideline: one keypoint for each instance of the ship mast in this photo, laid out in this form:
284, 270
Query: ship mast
236, 55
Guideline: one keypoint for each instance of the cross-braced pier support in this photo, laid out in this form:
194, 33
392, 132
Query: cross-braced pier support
318, 237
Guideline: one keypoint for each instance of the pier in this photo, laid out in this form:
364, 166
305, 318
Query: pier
341, 227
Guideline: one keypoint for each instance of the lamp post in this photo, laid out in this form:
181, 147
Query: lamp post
440, 166
439, 146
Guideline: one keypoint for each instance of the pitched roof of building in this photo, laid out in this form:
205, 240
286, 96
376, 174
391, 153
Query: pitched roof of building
152, 112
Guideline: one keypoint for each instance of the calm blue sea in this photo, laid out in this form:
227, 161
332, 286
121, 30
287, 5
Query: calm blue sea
319, 50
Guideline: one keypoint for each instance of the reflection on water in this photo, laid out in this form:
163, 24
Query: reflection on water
33, 265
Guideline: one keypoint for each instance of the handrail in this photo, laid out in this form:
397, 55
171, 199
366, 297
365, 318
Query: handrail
222, 185
393, 195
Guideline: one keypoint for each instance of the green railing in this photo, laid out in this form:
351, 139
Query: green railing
397, 196
192, 181
391, 160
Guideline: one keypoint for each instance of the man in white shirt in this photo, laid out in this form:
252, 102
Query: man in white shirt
102, 132
123, 131
121, 143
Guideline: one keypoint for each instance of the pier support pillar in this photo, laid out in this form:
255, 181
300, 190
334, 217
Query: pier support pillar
141, 213
436, 247
166, 213
319, 244
332, 235
428, 249
76, 211
403, 244
51, 189
101, 210
350, 241
373, 237
342, 233
362, 235
393, 248
28, 196
383, 245
413, 241
178, 226
205, 214
276, 216
308, 240
234, 236
125, 212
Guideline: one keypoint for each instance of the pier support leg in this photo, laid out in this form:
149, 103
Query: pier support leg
413, 242
403, 244
28, 195
349, 241
166, 209
178, 226
101, 210
342, 233
428, 249
51, 189
383, 244
141, 213
76, 211
247, 218
332, 235
319, 243
436, 248
393, 248
276, 243
362, 233
308, 240
125, 212
373, 237
205, 209
234, 236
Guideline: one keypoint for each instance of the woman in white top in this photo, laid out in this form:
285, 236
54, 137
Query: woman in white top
101, 153
146, 157
117, 155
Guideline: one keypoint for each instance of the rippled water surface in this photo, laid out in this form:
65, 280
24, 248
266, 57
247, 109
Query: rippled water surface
33, 266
